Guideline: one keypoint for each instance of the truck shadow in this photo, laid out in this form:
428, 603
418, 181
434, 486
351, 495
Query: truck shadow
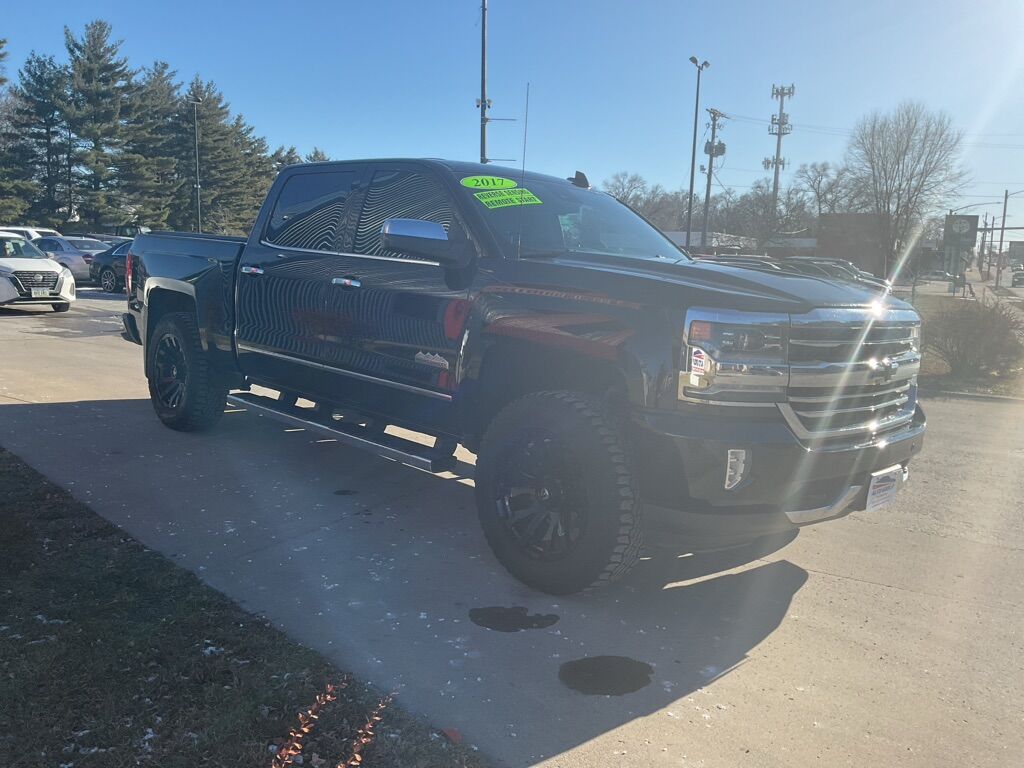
384, 570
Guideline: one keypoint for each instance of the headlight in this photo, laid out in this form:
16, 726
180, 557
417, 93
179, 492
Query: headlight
734, 357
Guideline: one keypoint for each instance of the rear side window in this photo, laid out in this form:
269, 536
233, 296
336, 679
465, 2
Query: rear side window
309, 209
399, 195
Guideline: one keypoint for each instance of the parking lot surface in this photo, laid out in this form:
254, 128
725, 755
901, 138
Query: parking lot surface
886, 639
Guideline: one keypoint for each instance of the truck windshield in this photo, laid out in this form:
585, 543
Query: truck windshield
19, 248
549, 218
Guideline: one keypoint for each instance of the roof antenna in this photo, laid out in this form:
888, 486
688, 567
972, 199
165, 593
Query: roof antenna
522, 178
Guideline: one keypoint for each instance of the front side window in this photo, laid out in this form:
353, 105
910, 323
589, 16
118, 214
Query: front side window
46, 244
400, 194
309, 210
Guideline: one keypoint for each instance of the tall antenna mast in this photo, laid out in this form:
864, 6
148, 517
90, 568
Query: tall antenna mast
483, 103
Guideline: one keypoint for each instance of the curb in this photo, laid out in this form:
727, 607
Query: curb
969, 395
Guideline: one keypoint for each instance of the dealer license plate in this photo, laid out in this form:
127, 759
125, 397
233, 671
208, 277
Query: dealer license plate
40, 293
885, 484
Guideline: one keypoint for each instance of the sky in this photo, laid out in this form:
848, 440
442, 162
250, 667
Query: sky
611, 87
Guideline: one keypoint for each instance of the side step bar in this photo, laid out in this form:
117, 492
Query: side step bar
388, 446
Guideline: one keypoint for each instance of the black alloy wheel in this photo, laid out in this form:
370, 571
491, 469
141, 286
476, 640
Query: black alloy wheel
542, 499
170, 369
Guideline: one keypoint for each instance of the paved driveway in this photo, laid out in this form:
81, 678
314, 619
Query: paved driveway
875, 640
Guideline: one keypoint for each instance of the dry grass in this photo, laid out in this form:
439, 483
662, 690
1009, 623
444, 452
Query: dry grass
112, 656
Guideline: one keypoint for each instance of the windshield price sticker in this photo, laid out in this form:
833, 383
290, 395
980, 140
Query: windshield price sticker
488, 182
503, 198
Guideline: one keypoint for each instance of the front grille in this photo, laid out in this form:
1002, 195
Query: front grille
31, 280
852, 373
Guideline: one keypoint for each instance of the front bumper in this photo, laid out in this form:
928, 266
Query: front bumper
682, 468
13, 293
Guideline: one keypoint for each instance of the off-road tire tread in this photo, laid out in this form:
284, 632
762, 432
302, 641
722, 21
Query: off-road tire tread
630, 534
206, 396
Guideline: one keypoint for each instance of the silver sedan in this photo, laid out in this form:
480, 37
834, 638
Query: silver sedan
75, 253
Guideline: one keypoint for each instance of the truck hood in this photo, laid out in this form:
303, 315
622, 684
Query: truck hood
791, 293
28, 265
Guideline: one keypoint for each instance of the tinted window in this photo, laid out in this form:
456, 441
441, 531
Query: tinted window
46, 244
399, 195
122, 249
309, 209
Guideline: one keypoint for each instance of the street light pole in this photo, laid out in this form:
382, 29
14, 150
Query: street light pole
693, 151
199, 194
483, 81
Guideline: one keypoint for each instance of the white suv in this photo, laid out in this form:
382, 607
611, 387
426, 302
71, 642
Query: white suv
27, 276
31, 233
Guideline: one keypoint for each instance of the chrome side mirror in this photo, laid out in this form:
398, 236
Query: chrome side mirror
426, 239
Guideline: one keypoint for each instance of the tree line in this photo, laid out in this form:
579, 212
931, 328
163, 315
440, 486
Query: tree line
904, 165
90, 141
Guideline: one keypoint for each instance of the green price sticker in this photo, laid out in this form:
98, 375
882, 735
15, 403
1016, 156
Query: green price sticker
503, 198
488, 182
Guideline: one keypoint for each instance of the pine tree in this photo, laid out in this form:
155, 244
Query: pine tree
101, 85
15, 187
282, 157
147, 169
40, 119
234, 166
317, 156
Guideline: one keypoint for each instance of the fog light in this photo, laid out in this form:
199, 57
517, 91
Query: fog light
735, 467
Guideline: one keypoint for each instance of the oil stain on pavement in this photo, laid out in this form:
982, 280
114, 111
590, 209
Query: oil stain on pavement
513, 619
605, 675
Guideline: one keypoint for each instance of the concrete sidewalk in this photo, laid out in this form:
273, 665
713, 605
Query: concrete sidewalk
873, 640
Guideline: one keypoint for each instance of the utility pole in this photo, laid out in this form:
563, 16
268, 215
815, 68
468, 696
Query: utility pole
713, 149
1002, 231
780, 126
693, 152
483, 81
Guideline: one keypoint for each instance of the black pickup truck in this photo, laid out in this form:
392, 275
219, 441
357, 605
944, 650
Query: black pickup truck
605, 381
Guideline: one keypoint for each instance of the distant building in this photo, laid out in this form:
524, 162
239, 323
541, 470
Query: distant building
858, 237
784, 247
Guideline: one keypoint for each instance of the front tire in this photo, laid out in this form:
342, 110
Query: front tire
63, 306
556, 494
185, 391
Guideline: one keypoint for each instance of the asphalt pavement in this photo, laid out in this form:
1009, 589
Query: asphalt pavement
892, 638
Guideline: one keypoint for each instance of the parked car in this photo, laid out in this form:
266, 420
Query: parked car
1017, 279
32, 233
108, 239
584, 358
27, 276
75, 253
107, 267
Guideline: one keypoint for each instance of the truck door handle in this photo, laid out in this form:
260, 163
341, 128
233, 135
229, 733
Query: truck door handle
347, 282
249, 269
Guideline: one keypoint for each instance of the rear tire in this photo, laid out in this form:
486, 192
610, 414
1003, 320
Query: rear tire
61, 307
185, 391
556, 494
108, 280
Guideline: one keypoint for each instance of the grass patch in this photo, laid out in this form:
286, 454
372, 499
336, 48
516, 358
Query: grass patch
110, 655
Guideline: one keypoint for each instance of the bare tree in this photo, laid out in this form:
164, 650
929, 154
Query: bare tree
628, 188
828, 186
906, 164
